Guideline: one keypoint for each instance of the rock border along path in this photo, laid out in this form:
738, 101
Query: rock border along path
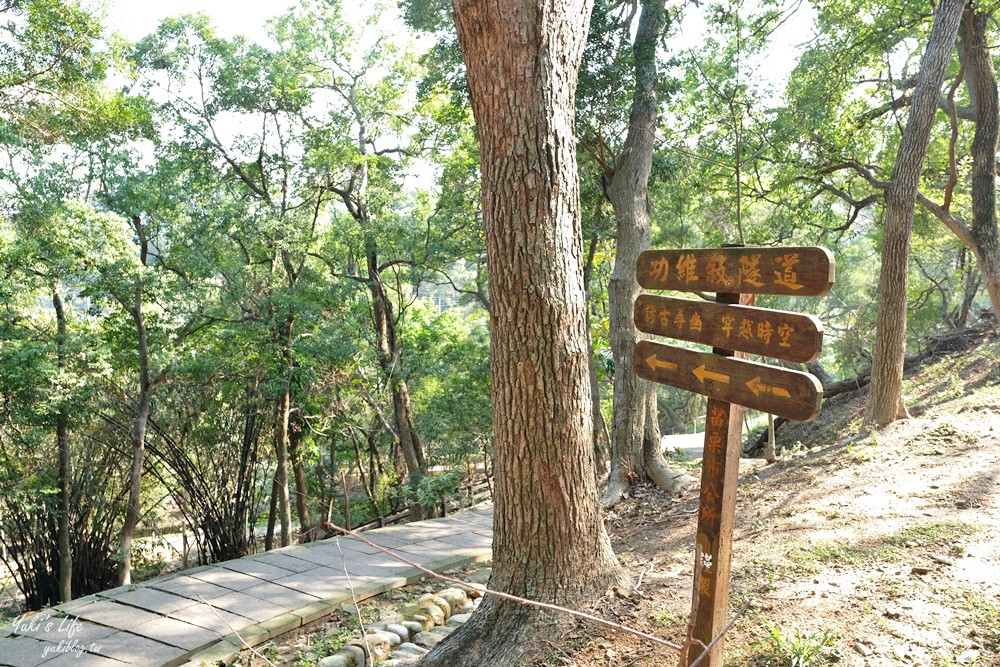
192, 617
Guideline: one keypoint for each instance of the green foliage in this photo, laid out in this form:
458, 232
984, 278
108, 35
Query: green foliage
796, 648
931, 533
257, 198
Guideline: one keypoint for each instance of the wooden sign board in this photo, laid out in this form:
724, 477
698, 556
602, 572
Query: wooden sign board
807, 271
729, 383
769, 333
786, 393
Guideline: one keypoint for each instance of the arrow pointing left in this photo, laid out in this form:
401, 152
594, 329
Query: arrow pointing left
757, 387
655, 363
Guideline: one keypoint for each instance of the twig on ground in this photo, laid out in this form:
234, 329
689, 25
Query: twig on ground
642, 574
514, 598
354, 598
235, 632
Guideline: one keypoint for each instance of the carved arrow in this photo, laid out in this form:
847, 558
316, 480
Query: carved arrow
655, 363
758, 388
703, 374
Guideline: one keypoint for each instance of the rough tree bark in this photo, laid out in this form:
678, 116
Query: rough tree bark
65, 471
635, 444
981, 79
549, 541
885, 402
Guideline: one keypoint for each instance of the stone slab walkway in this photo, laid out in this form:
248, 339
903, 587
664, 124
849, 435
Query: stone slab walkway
198, 616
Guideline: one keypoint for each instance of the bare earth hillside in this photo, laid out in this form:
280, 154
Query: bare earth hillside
882, 549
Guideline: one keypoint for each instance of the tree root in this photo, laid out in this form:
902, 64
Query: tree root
501, 634
618, 486
665, 477
656, 470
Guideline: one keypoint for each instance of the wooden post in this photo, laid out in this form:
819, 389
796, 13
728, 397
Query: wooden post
716, 515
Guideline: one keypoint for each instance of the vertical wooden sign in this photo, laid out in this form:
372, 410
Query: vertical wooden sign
730, 383
716, 517
713, 551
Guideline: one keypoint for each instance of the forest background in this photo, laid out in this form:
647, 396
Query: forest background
241, 282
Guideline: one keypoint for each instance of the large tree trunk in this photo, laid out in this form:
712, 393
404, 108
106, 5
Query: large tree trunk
549, 542
634, 456
885, 402
65, 471
981, 80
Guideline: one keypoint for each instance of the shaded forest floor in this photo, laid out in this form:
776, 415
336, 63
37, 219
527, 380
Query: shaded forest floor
874, 550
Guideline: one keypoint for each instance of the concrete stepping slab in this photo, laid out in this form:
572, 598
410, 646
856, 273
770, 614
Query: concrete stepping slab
473, 540
248, 606
68, 607
354, 544
287, 598
323, 555
284, 559
466, 519
177, 633
217, 620
191, 588
428, 547
115, 615
322, 583
234, 581
26, 651
138, 651
62, 629
73, 659
255, 568
392, 542
152, 600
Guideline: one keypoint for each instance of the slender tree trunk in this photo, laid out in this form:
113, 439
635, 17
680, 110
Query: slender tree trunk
272, 514
282, 415
600, 467
549, 542
982, 82
635, 456
885, 402
138, 438
65, 471
390, 354
283, 499
301, 486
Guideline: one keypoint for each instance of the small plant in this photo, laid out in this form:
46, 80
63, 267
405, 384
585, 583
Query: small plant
668, 617
796, 648
927, 534
985, 613
271, 651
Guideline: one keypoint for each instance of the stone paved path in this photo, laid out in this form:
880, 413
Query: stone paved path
193, 617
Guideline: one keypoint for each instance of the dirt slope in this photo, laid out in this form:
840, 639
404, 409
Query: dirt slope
884, 549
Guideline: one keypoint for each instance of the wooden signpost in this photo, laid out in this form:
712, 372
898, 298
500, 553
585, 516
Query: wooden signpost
729, 382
